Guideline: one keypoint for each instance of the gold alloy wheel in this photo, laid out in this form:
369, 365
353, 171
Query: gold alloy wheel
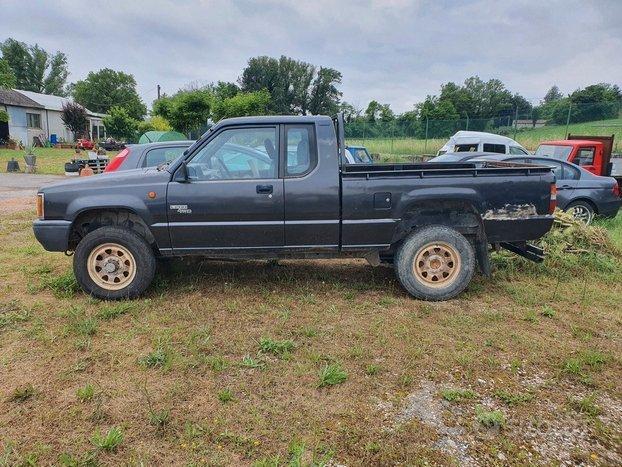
437, 264
111, 266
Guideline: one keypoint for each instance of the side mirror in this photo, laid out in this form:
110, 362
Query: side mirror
181, 175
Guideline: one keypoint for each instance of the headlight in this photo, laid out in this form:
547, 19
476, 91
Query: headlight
40, 202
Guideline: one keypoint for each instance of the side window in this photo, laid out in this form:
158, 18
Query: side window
496, 148
571, 173
465, 148
235, 154
158, 156
517, 150
557, 169
585, 156
300, 153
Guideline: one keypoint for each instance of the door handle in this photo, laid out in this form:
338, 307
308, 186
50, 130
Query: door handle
264, 189
565, 186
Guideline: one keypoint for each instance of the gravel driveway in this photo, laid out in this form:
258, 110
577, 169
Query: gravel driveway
17, 191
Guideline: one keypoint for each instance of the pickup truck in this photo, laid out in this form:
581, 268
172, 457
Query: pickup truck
273, 187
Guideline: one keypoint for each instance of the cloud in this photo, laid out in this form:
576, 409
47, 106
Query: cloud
394, 51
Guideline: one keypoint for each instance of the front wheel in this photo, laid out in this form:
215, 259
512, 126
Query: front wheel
435, 263
112, 263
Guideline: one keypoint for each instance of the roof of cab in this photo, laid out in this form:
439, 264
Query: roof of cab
273, 119
571, 142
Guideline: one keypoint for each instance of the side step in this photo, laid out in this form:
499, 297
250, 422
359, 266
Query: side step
524, 249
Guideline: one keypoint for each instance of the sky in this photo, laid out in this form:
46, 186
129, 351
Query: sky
393, 51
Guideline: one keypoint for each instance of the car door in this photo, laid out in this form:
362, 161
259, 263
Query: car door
233, 198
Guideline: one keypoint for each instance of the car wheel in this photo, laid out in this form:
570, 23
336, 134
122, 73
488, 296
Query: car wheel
113, 263
435, 263
582, 211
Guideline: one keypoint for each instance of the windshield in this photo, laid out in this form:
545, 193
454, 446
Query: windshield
361, 155
556, 152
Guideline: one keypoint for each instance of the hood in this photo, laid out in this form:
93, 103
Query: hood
112, 179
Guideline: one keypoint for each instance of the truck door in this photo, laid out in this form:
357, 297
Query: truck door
585, 158
233, 199
310, 169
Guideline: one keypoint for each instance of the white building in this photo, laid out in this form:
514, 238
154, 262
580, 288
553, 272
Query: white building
53, 124
35, 115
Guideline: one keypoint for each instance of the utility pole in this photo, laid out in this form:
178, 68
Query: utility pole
568, 118
515, 121
158, 92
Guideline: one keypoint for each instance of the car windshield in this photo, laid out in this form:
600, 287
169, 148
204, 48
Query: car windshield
360, 155
556, 152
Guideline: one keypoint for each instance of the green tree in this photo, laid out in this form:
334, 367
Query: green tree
324, 95
241, 105
155, 123
120, 124
190, 110
101, 90
75, 119
163, 107
552, 95
295, 87
7, 77
34, 68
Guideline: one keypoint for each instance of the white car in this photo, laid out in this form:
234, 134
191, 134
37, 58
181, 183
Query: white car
478, 141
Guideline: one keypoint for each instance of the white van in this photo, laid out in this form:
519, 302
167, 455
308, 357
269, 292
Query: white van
478, 141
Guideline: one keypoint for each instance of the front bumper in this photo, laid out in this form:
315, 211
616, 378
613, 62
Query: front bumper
52, 234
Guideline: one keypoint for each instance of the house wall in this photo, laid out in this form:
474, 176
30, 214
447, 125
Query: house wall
57, 127
17, 123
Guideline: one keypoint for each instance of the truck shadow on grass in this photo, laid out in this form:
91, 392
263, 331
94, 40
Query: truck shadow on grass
287, 276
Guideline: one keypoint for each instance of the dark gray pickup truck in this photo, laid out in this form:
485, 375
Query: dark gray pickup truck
272, 187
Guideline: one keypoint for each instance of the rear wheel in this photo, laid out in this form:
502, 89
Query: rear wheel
113, 263
435, 263
582, 211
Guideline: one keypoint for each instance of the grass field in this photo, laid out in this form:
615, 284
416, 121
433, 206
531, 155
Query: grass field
49, 160
312, 363
394, 149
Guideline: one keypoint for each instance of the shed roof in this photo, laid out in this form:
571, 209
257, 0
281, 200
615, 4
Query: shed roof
12, 97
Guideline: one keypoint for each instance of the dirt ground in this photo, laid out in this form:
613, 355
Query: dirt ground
309, 363
17, 191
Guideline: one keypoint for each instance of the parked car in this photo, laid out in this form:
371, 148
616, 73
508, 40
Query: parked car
578, 191
433, 222
593, 153
85, 144
478, 141
357, 155
110, 144
135, 156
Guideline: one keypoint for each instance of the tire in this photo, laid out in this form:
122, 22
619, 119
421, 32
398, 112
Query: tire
435, 263
114, 263
582, 211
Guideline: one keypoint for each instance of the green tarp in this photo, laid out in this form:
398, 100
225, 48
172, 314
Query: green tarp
159, 136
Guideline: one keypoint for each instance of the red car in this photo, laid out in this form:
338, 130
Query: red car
85, 143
